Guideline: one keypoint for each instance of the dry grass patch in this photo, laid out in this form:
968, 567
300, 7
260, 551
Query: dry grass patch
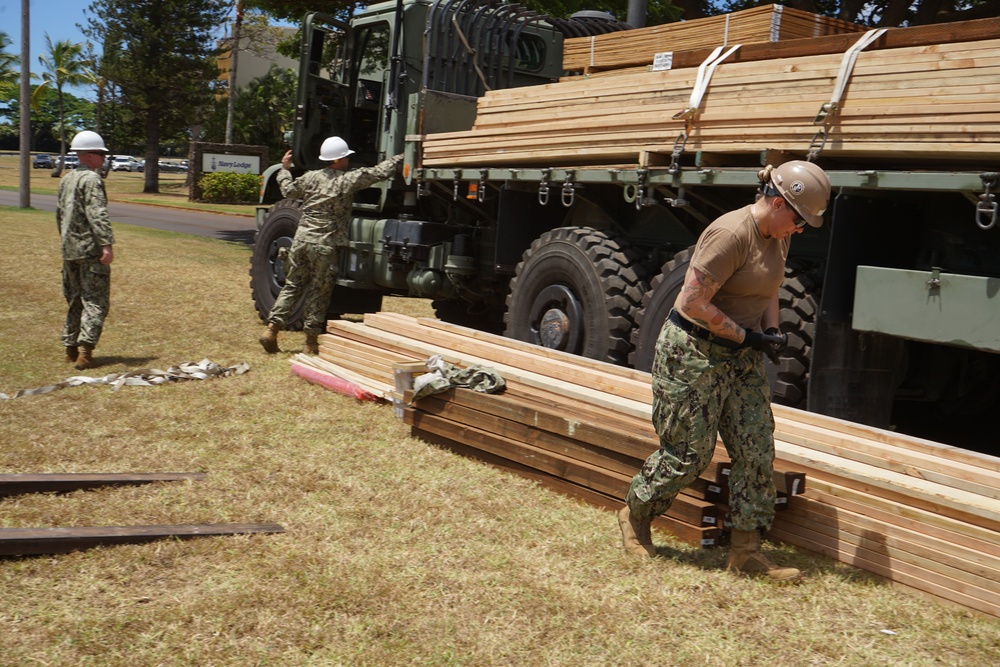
396, 552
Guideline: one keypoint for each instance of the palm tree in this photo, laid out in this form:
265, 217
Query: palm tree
65, 65
8, 64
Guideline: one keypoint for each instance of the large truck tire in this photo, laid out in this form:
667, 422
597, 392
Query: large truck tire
577, 289
267, 271
798, 298
656, 305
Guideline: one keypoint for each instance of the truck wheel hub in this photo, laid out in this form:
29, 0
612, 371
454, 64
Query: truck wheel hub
558, 313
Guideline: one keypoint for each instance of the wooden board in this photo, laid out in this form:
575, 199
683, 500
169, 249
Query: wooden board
768, 23
16, 484
697, 536
35, 541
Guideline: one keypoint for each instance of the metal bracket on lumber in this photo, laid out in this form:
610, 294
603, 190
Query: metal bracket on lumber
638, 192
568, 189
828, 110
484, 175
36, 541
986, 208
17, 484
543, 187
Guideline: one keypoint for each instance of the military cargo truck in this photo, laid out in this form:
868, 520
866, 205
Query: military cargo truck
892, 308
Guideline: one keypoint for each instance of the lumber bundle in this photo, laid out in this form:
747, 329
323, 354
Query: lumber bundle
937, 101
924, 515
768, 23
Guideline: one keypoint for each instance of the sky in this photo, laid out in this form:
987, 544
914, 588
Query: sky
58, 18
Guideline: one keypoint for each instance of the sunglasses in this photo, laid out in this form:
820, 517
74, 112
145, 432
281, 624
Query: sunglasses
798, 220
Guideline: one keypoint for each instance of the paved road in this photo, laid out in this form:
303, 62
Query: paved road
225, 227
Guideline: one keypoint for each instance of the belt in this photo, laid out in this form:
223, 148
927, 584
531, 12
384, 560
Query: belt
699, 332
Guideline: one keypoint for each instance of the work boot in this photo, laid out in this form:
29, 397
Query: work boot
636, 537
71, 353
85, 357
745, 557
269, 341
312, 344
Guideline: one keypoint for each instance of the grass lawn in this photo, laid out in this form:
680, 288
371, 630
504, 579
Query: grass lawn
396, 552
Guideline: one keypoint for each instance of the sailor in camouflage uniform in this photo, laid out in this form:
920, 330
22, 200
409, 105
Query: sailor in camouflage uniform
327, 199
82, 220
708, 368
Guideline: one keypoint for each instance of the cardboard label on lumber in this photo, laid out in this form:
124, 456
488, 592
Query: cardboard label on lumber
663, 61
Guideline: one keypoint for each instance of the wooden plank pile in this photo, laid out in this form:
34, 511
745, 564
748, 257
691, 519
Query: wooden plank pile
768, 23
924, 515
935, 101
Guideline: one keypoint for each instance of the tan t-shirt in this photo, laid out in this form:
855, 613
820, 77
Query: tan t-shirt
749, 267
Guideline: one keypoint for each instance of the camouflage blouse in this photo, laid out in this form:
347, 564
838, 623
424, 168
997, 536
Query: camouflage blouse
82, 216
328, 196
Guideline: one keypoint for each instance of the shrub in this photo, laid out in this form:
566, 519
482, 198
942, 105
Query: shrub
223, 187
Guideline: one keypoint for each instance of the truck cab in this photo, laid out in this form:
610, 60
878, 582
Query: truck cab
396, 72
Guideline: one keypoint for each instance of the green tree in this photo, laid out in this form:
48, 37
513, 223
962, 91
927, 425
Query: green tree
65, 65
262, 112
77, 114
161, 56
295, 10
8, 65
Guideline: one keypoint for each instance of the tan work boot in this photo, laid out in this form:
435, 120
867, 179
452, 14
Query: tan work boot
72, 351
636, 536
269, 340
85, 357
312, 343
745, 557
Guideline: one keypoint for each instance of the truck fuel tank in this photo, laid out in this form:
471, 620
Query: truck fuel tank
388, 253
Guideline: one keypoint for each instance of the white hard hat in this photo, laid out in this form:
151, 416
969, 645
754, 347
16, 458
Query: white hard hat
88, 141
334, 148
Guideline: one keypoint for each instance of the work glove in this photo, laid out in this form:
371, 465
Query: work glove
772, 342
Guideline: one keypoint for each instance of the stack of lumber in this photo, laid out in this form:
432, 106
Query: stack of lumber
930, 101
768, 23
924, 515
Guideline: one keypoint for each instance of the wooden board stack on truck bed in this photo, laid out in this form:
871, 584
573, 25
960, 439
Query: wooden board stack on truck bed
767, 23
926, 93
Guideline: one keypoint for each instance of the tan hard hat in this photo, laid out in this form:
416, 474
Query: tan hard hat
805, 187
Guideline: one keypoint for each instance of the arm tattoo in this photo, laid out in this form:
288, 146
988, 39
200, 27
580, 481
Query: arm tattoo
695, 300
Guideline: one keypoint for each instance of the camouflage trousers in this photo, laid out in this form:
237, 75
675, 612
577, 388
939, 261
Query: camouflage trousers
312, 273
87, 288
701, 389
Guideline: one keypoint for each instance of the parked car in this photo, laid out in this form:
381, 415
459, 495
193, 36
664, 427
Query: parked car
42, 162
125, 163
72, 161
167, 167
